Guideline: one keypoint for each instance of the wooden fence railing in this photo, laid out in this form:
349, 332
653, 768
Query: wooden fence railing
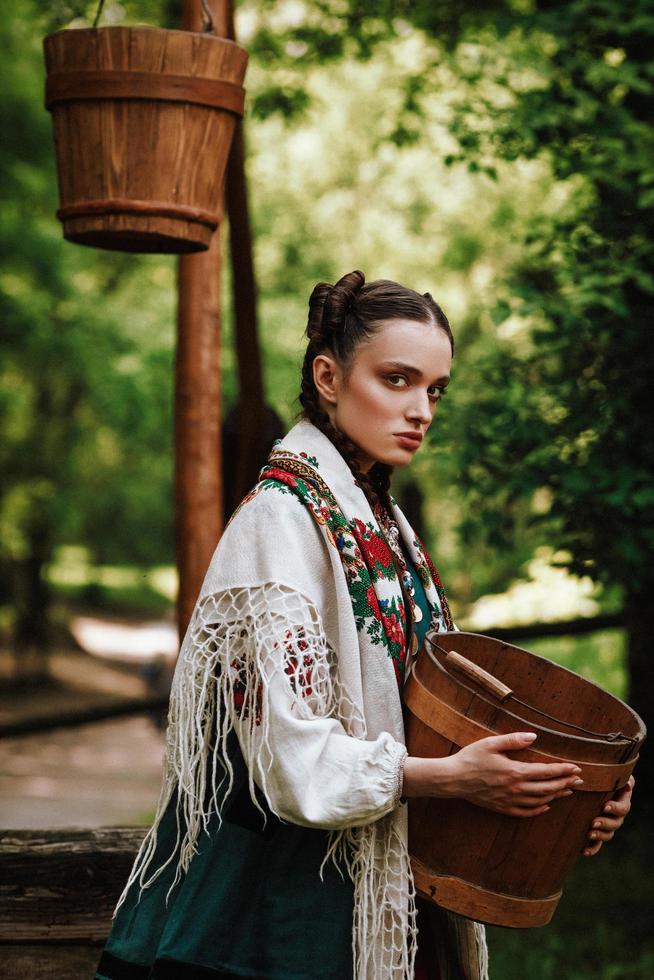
58, 889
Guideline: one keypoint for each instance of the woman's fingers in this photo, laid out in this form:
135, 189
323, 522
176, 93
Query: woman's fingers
511, 742
605, 826
620, 805
550, 770
603, 834
491, 778
609, 823
615, 811
533, 770
550, 787
538, 794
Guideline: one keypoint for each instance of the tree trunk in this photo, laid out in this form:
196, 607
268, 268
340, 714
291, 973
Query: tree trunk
32, 597
639, 618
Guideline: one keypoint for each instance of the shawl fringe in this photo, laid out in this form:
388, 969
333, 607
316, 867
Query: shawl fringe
238, 644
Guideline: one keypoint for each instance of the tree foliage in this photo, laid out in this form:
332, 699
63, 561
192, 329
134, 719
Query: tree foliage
569, 410
555, 435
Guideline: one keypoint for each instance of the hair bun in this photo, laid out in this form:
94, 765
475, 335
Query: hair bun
315, 331
329, 305
341, 301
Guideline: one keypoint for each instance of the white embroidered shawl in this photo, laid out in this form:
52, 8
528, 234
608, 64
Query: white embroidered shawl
273, 652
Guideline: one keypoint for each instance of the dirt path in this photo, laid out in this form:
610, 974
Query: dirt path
98, 774
103, 774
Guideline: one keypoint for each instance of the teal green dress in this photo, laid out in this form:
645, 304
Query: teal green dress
251, 904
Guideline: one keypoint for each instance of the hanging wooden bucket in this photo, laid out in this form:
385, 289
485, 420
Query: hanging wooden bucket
503, 870
143, 121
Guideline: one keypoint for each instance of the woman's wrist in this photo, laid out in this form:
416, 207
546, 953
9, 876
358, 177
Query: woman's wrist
428, 777
399, 778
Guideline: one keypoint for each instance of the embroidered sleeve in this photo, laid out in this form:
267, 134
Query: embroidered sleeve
257, 660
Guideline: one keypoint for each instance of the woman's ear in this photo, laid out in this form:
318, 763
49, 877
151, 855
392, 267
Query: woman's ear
326, 376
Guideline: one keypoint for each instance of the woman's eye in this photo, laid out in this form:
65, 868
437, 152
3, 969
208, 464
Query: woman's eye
397, 380
437, 393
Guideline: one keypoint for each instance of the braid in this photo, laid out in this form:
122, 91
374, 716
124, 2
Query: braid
340, 318
319, 417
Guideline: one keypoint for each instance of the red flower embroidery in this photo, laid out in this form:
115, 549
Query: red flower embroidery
372, 545
371, 599
300, 674
274, 474
241, 698
394, 628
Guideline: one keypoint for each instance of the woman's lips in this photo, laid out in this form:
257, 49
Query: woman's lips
409, 440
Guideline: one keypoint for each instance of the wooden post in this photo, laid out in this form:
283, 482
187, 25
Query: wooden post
198, 490
248, 351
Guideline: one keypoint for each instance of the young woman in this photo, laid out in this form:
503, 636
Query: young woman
279, 848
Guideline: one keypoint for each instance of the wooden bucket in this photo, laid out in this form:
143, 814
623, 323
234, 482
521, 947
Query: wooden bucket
503, 870
143, 121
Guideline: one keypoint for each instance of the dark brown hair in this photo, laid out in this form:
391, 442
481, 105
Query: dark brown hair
341, 317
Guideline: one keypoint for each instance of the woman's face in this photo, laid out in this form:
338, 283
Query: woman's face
386, 401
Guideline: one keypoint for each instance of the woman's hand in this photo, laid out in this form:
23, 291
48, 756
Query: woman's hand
483, 774
611, 820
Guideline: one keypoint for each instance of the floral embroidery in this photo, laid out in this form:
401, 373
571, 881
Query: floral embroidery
310, 459
368, 562
374, 546
298, 666
242, 699
299, 672
366, 557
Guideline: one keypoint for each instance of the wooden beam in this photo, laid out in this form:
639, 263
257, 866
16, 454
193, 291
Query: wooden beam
198, 489
59, 889
105, 708
62, 885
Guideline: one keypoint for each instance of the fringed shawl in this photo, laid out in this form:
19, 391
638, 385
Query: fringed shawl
298, 643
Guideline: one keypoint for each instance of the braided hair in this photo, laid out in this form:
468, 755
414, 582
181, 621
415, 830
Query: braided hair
341, 317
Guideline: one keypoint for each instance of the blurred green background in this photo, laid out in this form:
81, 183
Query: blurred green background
497, 154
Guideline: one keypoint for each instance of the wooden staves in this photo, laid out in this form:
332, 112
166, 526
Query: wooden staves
498, 869
143, 121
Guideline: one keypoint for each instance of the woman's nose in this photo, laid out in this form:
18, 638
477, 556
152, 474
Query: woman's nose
420, 409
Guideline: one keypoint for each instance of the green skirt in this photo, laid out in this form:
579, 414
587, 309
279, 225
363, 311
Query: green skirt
251, 904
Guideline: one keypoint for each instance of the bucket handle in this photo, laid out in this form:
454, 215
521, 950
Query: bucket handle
98, 14
501, 692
